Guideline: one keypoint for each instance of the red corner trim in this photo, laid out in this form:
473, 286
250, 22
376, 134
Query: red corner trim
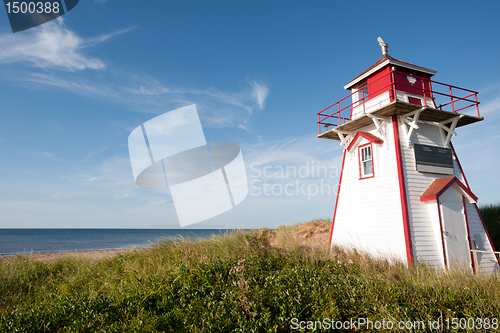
459, 165
367, 136
441, 185
442, 238
475, 204
486, 231
468, 236
402, 191
337, 200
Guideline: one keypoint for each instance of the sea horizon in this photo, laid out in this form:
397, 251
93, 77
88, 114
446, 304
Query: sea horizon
51, 240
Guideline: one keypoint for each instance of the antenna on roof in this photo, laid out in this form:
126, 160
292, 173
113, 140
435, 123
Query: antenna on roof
383, 45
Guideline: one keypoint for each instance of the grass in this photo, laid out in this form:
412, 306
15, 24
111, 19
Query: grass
247, 281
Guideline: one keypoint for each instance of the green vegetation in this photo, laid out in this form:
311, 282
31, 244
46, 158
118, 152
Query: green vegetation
491, 218
255, 281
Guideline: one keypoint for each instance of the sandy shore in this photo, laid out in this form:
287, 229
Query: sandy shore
54, 256
317, 232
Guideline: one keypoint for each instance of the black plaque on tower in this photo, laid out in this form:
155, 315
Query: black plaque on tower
433, 159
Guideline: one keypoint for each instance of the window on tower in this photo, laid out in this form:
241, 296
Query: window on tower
361, 93
366, 161
364, 91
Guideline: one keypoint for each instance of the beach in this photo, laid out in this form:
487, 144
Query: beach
317, 233
50, 257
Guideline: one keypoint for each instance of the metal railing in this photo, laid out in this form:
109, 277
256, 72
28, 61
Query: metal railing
450, 98
476, 259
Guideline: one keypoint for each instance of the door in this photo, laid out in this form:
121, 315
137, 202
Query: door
455, 231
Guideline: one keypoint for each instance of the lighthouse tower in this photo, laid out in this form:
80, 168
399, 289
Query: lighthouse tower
402, 192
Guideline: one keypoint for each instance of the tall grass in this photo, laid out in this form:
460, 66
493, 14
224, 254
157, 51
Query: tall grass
246, 281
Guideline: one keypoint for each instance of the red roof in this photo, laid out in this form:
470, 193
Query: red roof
367, 136
439, 186
391, 61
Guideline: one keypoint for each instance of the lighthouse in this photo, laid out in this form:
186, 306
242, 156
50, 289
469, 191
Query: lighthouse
402, 191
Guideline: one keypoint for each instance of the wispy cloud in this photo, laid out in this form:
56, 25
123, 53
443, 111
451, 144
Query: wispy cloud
93, 179
95, 153
260, 93
293, 151
104, 37
51, 124
491, 106
146, 94
55, 47
37, 154
52, 45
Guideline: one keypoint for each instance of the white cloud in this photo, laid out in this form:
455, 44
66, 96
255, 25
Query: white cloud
28, 205
51, 124
293, 151
104, 37
217, 109
260, 93
38, 154
93, 179
490, 107
95, 153
54, 46
51, 45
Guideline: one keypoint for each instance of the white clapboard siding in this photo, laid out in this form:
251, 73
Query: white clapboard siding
403, 96
370, 105
487, 261
368, 215
478, 234
424, 215
426, 245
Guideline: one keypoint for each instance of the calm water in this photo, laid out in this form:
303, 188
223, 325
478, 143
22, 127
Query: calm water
20, 241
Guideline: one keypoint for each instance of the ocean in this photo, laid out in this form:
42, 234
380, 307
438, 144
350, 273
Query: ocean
23, 241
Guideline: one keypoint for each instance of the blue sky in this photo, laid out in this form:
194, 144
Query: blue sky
72, 90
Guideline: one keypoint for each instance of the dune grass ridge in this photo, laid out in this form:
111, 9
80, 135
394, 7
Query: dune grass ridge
245, 281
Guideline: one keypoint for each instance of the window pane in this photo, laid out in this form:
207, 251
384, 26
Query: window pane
368, 168
366, 154
366, 161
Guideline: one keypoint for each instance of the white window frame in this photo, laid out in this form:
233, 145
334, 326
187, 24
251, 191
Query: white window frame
358, 95
363, 161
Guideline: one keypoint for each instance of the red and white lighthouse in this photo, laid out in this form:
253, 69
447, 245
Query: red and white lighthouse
402, 192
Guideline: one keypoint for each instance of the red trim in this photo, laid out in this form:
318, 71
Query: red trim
441, 185
359, 162
468, 235
475, 204
337, 200
442, 238
402, 191
415, 100
459, 165
367, 136
486, 231
392, 81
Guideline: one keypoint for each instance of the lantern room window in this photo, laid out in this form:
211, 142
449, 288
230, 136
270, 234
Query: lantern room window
366, 161
363, 91
360, 93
